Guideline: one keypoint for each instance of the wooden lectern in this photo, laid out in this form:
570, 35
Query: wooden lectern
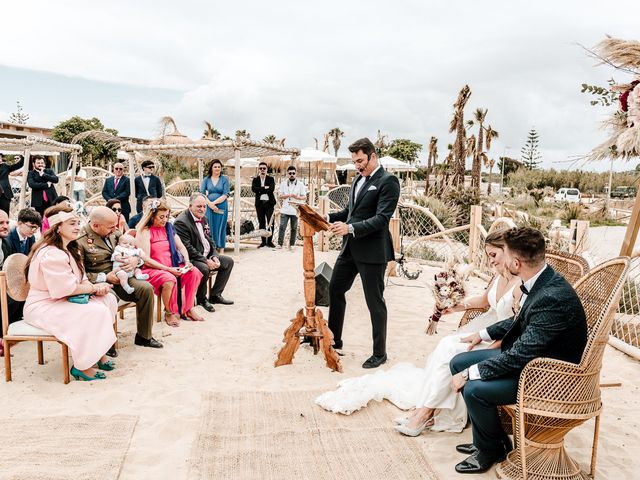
309, 321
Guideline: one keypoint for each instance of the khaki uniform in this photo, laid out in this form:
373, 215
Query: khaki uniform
97, 253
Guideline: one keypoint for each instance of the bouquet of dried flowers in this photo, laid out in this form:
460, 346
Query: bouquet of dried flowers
448, 290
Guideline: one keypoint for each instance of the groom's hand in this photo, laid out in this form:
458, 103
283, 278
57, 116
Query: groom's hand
339, 228
472, 340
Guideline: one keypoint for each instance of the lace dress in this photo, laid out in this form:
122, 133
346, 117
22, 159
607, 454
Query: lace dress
407, 386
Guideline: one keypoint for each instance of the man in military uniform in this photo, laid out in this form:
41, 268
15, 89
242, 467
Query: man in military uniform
97, 240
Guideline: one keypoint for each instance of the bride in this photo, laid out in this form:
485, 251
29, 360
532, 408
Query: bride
427, 390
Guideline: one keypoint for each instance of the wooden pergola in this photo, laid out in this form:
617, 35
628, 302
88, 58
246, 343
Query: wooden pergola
210, 150
25, 147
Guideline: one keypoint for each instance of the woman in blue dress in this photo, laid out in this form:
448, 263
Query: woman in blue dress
216, 188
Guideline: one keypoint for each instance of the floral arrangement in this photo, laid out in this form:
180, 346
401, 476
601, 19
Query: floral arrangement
448, 290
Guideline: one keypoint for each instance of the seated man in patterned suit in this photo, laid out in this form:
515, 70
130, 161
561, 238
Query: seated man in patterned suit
97, 241
550, 323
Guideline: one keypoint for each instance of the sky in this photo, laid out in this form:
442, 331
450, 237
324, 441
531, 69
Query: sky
296, 69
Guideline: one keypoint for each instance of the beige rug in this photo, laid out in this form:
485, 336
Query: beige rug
64, 448
294, 438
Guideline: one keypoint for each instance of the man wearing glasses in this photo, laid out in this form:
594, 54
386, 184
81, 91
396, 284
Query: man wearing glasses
118, 187
292, 191
263, 186
22, 237
147, 184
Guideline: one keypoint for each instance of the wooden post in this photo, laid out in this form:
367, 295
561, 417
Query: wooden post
475, 219
25, 174
579, 236
394, 229
74, 162
631, 234
236, 203
499, 210
323, 237
132, 180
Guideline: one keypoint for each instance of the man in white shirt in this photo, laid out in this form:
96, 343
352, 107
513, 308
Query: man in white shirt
551, 323
291, 190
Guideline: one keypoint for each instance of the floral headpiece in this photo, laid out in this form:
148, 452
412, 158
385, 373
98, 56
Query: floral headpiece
153, 206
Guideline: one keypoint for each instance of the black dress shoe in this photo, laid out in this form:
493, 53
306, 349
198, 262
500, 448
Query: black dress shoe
479, 462
220, 299
143, 342
207, 305
468, 448
374, 362
262, 245
113, 353
271, 245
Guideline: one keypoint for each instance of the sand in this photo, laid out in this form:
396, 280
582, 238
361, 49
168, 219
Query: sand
234, 350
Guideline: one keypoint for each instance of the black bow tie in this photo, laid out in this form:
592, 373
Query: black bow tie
524, 289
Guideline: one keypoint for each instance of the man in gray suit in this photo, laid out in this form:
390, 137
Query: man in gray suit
551, 323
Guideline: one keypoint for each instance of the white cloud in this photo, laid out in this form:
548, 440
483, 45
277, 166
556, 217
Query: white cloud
296, 69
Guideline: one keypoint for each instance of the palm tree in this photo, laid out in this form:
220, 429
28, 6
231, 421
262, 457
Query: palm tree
431, 161
316, 140
471, 147
449, 162
381, 143
271, 138
457, 125
488, 163
242, 134
210, 132
479, 116
335, 134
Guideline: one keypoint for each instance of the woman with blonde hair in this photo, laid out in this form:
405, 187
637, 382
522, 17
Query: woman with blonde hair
167, 264
62, 302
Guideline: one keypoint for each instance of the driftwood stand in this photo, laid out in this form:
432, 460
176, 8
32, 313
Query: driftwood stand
309, 322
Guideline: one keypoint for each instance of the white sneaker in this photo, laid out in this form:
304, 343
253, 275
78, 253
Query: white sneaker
278, 247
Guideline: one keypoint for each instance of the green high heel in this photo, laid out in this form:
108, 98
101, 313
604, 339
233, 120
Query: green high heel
106, 366
77, 374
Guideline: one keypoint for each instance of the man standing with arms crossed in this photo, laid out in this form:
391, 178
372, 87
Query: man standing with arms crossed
366, 246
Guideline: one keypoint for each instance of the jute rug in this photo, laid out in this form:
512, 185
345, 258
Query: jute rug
64, 448
263, 435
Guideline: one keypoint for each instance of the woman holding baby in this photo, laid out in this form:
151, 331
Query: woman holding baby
167, 264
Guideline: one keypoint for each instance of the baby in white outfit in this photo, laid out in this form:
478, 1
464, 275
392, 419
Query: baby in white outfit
126, 249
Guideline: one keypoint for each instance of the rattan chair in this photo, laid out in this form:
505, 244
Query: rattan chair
21, 331
555, 396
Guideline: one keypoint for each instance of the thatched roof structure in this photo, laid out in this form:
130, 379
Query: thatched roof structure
169, 133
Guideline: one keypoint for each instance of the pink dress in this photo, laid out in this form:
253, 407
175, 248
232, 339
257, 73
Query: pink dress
86, 329
160, 252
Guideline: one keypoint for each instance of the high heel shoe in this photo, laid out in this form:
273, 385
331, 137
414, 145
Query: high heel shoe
410, 432
401, 420
106, 366
77, 374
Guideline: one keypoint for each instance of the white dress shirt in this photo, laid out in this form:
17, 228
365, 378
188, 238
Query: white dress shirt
288, 187
474, 373
361, 182
203, 238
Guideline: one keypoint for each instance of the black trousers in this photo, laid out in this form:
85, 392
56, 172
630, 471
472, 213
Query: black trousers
5, 204
482, 398
264, 210
222, 277
372, 277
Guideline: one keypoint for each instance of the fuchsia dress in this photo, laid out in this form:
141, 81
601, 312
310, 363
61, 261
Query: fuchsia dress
160, 252
86, 329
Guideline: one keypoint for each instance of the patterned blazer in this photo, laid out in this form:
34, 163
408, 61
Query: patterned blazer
551, 323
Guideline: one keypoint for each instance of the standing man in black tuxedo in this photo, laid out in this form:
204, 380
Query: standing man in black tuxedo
6, 192
118, 187
551, 323
263, 186
147, 184
41, 180
193, 229
366, 246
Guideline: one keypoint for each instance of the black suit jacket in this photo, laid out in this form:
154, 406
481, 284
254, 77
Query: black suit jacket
5, 185
370, 214
188, 232
13, 242
39, 184
155, 190
269, 187
6, 249
551, 323
122, 193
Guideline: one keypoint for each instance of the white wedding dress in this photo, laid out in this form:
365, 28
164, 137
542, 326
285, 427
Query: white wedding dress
407, 386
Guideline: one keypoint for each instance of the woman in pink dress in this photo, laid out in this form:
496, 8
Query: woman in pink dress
55, 272
167, 264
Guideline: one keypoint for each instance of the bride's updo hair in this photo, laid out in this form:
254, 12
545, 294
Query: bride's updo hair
497, 238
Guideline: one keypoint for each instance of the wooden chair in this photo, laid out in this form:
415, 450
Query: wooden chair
122, 306
23, 332
555, 396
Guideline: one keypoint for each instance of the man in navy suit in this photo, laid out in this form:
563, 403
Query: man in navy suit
22, 237
550, 323
118, 187
147, 184
366, 246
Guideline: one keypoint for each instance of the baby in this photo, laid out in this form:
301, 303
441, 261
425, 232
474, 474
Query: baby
126, 249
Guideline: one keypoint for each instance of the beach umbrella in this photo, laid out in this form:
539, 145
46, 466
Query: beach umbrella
393, 164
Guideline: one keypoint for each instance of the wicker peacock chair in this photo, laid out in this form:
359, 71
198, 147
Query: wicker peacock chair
555, 396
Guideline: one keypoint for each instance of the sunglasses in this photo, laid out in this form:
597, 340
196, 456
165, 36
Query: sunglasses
118, 168
292, 173
116, 209
262, 168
